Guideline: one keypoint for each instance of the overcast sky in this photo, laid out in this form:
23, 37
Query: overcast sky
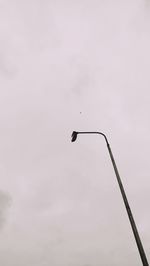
73, 65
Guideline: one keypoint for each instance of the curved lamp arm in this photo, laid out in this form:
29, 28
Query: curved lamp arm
75, 133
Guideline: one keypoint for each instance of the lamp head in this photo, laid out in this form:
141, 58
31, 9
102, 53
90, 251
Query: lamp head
74, 136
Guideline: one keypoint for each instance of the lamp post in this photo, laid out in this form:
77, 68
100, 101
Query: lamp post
130, 216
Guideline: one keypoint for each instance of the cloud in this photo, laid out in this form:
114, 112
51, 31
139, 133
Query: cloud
60, 58
5, 201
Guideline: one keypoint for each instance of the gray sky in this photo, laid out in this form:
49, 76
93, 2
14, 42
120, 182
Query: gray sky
73, 65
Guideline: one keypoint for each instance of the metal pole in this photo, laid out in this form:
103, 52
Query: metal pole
128, 209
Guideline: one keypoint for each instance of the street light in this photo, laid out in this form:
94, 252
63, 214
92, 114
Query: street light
130, 216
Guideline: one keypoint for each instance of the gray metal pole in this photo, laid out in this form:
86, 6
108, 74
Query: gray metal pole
128, 209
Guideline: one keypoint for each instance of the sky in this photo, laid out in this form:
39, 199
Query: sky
64, 66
